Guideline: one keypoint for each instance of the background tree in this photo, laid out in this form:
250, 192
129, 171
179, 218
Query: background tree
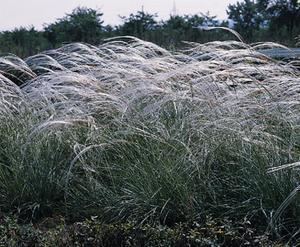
267, 20
285, 14
255, 20
22, 41
246, 18
82, 25
186, 28
140, 25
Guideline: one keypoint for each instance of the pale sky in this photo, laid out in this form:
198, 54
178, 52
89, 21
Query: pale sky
16, 13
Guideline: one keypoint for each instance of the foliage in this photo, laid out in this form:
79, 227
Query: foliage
82, 25
284, 13
138, 24
255, 20
180, 28
22, 41
246, 18
92, 232
280, 18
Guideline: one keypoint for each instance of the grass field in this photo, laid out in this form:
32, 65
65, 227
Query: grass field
128, 131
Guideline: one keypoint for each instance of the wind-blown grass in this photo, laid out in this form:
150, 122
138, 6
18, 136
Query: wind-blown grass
130, 131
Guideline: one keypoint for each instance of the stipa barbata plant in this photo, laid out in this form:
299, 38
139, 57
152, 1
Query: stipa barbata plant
128, 130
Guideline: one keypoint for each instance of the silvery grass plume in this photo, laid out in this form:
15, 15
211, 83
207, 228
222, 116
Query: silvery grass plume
130, 131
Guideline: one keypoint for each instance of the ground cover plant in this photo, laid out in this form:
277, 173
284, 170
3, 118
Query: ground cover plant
130, 132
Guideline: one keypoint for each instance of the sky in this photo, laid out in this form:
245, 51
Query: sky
16, 13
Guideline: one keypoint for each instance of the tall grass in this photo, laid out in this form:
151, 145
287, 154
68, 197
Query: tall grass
130, 131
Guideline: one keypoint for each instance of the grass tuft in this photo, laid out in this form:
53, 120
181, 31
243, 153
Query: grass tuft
130, 131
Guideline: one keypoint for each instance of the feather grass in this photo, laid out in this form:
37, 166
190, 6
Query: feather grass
128, 130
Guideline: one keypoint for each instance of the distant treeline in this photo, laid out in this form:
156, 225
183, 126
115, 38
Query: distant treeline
259, 20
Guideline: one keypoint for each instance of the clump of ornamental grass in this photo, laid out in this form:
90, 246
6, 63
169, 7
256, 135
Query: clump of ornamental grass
130, 131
